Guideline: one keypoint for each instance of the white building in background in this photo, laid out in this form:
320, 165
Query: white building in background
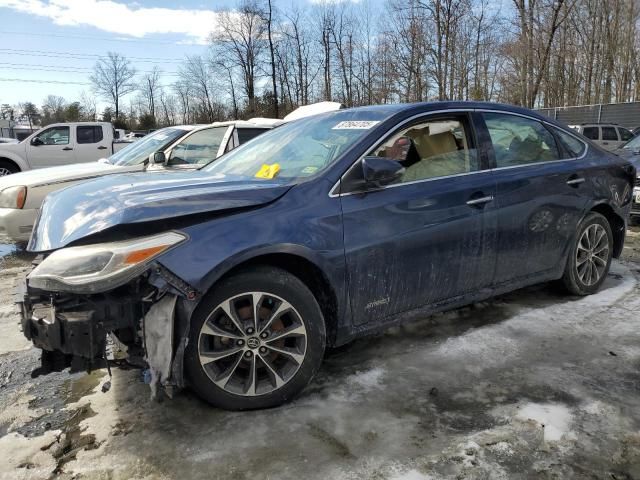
6, 128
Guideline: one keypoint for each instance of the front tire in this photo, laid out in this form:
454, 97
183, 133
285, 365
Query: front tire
7, 168
256, 340
590, 256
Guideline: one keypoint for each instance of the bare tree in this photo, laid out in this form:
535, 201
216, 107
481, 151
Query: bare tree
88, 106
269, 21
112, 78
53, 109
196, 78
241, 41
29, 112
150, 89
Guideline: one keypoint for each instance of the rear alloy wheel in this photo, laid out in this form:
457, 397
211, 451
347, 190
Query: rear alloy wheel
590, 258
256, 341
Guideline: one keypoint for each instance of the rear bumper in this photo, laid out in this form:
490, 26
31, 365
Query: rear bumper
16, 225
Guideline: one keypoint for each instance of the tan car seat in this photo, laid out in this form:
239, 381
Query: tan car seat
439, 155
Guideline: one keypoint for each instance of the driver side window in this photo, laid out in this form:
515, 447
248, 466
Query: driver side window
431, 149
54, 136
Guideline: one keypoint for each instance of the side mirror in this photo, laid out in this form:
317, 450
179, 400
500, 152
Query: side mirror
158, 158
36, 142
378, 172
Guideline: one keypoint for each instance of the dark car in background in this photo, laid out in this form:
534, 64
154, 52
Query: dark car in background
234, 279
631, 152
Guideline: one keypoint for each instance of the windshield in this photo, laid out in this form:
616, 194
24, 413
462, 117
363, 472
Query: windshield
633, 144
140, 150
299, 149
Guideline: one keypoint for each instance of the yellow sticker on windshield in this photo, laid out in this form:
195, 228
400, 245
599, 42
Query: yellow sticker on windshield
268, 171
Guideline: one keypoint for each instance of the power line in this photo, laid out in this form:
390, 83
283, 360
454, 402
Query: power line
82, 56
89, 37
41, 81
63, 69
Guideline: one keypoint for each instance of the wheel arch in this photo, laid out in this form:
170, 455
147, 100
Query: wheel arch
301, 264
4, 158
617, 224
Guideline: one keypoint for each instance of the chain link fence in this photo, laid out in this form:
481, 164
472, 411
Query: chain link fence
624, 114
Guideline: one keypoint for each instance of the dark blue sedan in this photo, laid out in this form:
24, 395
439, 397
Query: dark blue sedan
234, 279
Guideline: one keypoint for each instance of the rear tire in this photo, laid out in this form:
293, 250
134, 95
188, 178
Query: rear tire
7, 168
237, 363
590, 256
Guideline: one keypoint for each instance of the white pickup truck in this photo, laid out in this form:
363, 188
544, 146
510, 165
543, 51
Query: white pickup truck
60, 144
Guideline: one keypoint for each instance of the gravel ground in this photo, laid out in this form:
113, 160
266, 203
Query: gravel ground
531, 385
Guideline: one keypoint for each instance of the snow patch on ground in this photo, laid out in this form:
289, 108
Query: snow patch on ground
502, 448
11, 337
368, 380
411, 475
26, 457
554, 419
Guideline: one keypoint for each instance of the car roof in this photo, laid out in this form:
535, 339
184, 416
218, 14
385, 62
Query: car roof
450, 105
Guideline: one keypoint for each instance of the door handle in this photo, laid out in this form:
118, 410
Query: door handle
66, 149
575, 181
480, 201
102, 147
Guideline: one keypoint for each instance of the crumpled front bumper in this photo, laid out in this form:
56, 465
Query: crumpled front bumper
75, 327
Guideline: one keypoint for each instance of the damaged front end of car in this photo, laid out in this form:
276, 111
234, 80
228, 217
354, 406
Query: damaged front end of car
92, 306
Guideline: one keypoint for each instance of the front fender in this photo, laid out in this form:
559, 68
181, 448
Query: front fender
260, 251
15, 158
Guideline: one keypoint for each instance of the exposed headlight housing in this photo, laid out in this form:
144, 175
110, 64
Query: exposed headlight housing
100, 267
13, 197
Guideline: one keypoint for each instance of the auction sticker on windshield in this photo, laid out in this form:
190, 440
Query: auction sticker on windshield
356, 125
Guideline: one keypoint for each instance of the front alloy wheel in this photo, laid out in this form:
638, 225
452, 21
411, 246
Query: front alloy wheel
256, 340
252, 344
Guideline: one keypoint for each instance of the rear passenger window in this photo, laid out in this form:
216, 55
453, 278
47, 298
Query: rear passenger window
609, 133
571, 144
89, 134
591, 133
625, 135
520, 141
437, 148
246, 134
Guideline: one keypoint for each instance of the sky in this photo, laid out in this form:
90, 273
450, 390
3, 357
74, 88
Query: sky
50, 46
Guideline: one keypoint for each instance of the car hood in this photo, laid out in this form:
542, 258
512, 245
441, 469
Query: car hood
131, 198
12, 147
65, 173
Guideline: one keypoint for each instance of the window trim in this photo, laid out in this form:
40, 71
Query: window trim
94, 128
545, 127
615, 129
598, 129
55, 128
544, 123
168, 151
334, 191
624, 129
561, 146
